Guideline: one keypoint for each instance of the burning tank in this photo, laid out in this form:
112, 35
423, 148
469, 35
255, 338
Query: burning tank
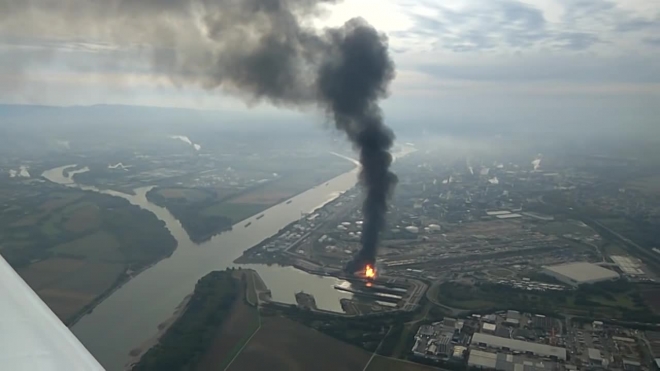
368, 273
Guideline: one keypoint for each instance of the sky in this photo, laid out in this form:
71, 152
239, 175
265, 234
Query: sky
537, 65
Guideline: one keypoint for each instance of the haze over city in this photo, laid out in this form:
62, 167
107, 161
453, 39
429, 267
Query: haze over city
331, 185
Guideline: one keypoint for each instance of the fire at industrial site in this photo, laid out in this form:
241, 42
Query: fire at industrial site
369, 272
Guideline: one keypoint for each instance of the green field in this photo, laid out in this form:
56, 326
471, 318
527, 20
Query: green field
620, 300
185, 194
608, 299
240, 324
81, 217
68, 286
49, 228
73, 246
233, 211
92, 278
98, 246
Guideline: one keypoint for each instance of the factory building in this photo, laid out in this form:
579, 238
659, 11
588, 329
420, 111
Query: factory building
512, 318
507, 362
628, 266
489, 328
539, 350
436, 341
443, 345
542, 322
630, 365
594, 356
579, 273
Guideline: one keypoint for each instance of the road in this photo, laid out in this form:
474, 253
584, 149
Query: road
455, 312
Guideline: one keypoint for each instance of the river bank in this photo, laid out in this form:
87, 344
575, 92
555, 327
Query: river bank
131, 315
155, 292
137, 353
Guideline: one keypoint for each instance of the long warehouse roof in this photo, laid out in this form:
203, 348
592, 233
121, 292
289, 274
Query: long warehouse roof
523, 346
582, 271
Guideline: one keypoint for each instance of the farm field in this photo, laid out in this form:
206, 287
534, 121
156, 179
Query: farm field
187, 194
98, 246
572, 227
69, 285
72, 247
239, 325
610, 300
285, 345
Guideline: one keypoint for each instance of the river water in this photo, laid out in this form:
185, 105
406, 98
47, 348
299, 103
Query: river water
132, 313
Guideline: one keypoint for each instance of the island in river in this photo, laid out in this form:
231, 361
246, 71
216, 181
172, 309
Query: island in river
207, 211
75, 247
184, 344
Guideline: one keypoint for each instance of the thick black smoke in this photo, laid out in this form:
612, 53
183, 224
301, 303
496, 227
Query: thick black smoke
351, 84
259, 49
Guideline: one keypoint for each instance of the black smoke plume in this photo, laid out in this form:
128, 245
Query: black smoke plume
258, 49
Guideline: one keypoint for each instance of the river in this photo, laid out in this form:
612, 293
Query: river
132, 313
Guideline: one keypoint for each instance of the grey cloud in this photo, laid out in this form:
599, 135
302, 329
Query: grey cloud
653, 41
493, 24
607, 14
636, 24
576, 40
579, 10
571, 69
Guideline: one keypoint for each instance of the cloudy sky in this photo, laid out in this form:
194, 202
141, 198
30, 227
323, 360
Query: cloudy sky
586, 64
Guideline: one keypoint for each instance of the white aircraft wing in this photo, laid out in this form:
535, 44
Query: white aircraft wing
32, 338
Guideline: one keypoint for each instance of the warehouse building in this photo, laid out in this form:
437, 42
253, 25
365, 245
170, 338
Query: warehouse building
489, 328
507, 362
629, 266
594, 356
579, 273
539, 350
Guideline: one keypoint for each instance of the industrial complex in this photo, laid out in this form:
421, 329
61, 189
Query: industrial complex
580, 273
531, 342
487, 276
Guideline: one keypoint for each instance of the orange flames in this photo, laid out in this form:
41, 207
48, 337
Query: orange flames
369, 272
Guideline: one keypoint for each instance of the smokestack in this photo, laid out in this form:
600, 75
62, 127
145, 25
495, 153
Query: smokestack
257, 49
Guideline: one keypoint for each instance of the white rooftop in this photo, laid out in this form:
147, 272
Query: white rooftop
509, 216
498, 212
542, 350
628, 265
582, 272
489, 327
